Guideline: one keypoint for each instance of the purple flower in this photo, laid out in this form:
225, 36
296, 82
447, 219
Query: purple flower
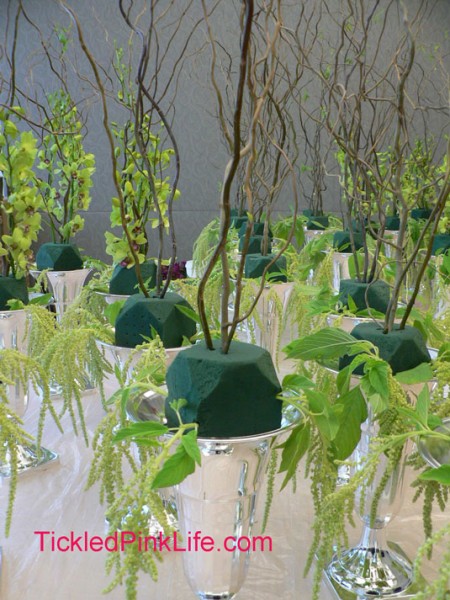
178, 270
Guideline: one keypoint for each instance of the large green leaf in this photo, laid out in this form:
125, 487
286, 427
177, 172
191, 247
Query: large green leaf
440, 474
423, 405
297, 382
326, 343
189, 442
324, 414
176, 468
419, 374
354, 412
375, 399
186, 310
141, 430
112, 311
293, 450
378, 375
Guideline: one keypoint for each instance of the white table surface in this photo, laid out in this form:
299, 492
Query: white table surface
55, 500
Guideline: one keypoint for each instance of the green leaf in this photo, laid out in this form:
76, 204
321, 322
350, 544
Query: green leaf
176, 468
419, 374
15, 304
10, 128
189, 441
297, 382
112, 311
352, 305
421, 327
434, 421
440, 474
141, 430
124, 400
325, 415
330, 342
293, 450
354, 413
444, 351
423, 405
41, 300
378, 374
343, 378
188, 312
377, 402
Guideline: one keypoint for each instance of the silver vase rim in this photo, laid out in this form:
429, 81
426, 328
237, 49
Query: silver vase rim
114, 347
37, 272
106, 294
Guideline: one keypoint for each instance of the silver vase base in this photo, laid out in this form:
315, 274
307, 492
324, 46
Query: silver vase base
392, 569
29, 459
212, 596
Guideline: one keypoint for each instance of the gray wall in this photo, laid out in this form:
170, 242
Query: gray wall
203, 153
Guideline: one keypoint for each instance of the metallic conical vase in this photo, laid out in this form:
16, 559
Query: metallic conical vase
12, 336
219, 500
311, 234
341, 268
269, 334
389, 248
376, 567
65, 287
371, 568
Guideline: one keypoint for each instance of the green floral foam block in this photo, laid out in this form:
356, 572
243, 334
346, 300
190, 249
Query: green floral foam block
12, 289
374, 295
403, 349
59, 257
124, 281
141, 317
228, 395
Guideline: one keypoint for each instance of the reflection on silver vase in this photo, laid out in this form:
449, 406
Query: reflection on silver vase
12, 336
219, 499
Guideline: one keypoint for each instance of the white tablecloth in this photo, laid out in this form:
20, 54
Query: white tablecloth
55, 500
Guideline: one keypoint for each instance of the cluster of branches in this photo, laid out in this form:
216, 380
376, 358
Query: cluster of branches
164, 33
259, 134
372, 90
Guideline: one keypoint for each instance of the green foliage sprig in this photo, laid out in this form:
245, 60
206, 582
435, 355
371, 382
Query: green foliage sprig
20, 220
330, 430
71, 357
206, 242
166, 457
16, 367
67, 167
110, 458
421, 175
146, 191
